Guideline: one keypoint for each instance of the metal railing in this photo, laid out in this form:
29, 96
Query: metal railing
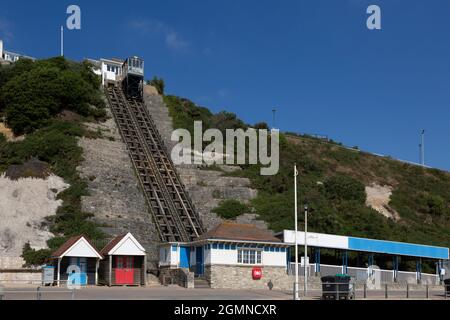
38, 293
362, 274
354, 291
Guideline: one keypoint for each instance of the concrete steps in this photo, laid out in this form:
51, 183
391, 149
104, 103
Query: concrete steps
201, 283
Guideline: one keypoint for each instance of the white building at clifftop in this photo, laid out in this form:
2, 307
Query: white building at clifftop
10, 56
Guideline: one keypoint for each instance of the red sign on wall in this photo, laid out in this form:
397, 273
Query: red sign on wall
257, 273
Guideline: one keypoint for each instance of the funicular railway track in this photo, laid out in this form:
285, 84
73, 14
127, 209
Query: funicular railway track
173, 212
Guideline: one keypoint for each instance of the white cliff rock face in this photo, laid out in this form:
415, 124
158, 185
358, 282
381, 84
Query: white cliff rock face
24, 204
378, 198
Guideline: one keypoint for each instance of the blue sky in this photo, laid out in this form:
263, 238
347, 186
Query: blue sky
314, 60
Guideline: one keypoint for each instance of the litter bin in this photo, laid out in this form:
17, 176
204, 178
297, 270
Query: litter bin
337, 287
447, 287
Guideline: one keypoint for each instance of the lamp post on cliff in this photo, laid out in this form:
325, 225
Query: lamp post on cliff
305, 262
295, 236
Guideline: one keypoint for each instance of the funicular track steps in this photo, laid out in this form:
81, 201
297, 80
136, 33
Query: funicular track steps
173, 211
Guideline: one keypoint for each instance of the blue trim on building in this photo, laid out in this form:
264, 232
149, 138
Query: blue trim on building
397, 248
185, 253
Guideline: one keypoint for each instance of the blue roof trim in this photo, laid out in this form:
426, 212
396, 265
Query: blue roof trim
398, 248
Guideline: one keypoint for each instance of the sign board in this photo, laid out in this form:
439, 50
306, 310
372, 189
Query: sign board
302, 261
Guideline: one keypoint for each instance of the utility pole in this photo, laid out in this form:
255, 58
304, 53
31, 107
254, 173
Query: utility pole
422, 148
296, 240
306, 250
62, 41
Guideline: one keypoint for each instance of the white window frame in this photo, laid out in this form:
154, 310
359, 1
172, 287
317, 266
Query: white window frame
242, 252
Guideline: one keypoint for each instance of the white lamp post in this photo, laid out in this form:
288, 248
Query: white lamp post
296, 297
306, 250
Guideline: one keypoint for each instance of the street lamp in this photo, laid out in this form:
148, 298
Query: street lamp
306, 249
296, 297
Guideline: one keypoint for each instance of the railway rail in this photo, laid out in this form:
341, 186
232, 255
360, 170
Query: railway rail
172, 210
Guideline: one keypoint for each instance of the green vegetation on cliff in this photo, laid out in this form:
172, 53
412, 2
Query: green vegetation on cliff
332, 179
32, 93
48, 100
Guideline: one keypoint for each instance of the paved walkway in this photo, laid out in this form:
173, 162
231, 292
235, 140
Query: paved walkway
148, 293
178, 293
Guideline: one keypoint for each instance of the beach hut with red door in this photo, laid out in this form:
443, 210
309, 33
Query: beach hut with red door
124, 263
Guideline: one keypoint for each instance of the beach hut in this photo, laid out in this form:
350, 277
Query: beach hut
124, 263
76, 255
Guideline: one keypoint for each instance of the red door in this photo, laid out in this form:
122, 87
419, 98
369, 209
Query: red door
124, 270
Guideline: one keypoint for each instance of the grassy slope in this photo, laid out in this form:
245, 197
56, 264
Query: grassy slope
421, 196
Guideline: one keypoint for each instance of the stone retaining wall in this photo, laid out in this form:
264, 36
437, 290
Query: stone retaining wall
240, 277
15, 278
182, 277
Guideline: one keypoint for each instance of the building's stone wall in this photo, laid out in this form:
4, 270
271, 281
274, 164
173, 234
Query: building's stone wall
240, 277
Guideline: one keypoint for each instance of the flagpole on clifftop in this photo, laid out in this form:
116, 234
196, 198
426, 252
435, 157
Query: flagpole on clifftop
62, 41
296, 297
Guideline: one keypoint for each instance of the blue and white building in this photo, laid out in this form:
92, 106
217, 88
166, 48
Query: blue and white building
370, 247
229, 255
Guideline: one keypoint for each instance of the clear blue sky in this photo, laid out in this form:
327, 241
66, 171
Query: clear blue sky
314, 60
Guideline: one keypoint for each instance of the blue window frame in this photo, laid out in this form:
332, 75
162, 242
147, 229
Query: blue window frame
233, 247
227, 247
214, 245
221, 246
174, 248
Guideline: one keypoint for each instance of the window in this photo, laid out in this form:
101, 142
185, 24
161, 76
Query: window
246, 259
252, 257
249, 256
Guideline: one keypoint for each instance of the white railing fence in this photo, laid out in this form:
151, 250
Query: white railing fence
362, 274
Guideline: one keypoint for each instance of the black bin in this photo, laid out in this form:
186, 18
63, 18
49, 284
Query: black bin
336, 287
447, 286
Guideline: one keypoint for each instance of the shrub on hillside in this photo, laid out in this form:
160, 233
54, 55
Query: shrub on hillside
436, 205
38, 91
34, 257
342, 187
230, 209
158, 83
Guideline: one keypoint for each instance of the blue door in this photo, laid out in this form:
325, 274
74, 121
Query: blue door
185, 253
199, 267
